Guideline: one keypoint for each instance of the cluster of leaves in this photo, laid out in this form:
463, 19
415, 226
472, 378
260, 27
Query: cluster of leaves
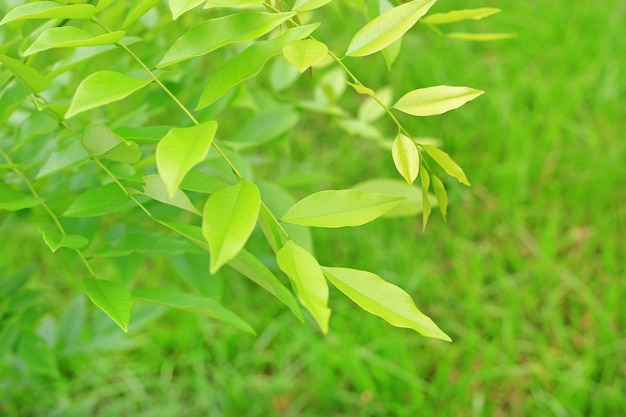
67, 150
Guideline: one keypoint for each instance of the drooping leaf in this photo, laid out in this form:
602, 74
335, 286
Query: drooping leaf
99, 201
228, 219
306, 5
12, 200
431, 101
425, 181
248, 64
29, 76
306, 275
383, 299
101, 88
112, 298
340, 208
137, 9
215, 33
192, 303
406, 157
480, 37
442, 196
448, 165
251, 267
459, 15
178, 7
55, 239
150, 244
180, 150
387, 28
271, 229
69, 37
154, 188
48, 10
305, 53
101, 141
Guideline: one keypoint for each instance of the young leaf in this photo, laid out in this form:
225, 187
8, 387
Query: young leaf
445, 162
49, 10
459, 15
248, 64
228, 220
100, 141
425, 180
215, 33
383, 299
305, 53
180, 150
387, 28
154, 188
29, 76
412, 205
307, 278
69, 37
138, 9
178, 7
98, 201
431, 101
406, 157
11, 200
112, 298
442, 196
340, 208
101, 88
55, 239
306, 5
192, 303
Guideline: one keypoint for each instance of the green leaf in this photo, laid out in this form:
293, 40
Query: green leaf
180, 150
100, 141
383, 299
202, 183
191, 233
305, 53
271, 229
361, 89
238, 4
257, 131
100, 88
11, 200
98, 201
459, 15
307, 278
251, 267
112, 298
431, 101
138, 9
151, 244
445, 162
69, 37
215, 33
480, 37
70, 155
37, 354
306, 5
248, 64
412, 205
49, 10
29, 76
406, 158
228, 220
340, 208
425, 180
178, 7
192, 303
55, 239
154, 188
387, 28
442, 196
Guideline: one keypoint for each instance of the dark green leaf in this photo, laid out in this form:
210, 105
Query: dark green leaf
99, 201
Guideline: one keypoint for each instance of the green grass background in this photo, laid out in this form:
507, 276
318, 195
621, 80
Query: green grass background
527, 275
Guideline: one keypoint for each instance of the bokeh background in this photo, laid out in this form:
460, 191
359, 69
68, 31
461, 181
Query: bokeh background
526, 276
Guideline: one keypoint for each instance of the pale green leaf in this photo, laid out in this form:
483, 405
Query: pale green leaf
103, 4
480, 37
228, 219
448, 165
383, 299
412, 205
137, 9
29, 76
425, 180
307, 278
101, 141
12, 200
340, 208
248, 64
69, 37
101, 88
71, 155
154, 188
459, 15
180, 150
391, 53
406, 157
151, 244
361, 89
431, 101
442, 196
215, 33
98, 201
55, 239
370, 110
238, 4
387, 28
112, 298
306, 5
178, 7
271, 229
192, 303
305, 53
49, 10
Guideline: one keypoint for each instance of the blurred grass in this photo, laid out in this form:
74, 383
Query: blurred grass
526, 276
